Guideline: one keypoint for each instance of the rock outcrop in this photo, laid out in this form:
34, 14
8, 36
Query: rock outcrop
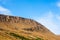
12, 27
13, 19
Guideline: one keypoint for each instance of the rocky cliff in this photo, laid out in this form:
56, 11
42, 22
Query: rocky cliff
18, 27
13, 19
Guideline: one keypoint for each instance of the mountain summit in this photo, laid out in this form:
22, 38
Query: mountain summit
19, 28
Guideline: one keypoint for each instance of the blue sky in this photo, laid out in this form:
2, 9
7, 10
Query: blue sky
47, 12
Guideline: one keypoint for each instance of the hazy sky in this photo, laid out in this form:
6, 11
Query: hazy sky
47, 12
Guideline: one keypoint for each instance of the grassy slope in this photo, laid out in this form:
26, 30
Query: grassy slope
13, 31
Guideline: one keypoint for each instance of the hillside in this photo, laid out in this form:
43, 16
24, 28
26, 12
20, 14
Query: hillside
18, 28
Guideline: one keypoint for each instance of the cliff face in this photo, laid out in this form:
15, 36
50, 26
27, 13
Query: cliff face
6, 18
23, 26
13, 19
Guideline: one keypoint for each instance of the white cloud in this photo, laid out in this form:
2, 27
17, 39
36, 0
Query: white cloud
49, 21
58, 17
5, 11
58, 4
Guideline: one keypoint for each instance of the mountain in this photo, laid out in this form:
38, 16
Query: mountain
19, 28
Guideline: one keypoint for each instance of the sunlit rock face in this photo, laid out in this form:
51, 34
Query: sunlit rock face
12, 26
13, 19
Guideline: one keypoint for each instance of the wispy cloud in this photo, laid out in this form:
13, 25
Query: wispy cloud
58, 4
48, 20
58, 17
5, 11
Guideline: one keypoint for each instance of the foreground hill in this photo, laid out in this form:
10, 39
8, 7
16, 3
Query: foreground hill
18, 28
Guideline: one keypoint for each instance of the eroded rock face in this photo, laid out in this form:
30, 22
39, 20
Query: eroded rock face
36, 26
23, 26
14, 19
6, 18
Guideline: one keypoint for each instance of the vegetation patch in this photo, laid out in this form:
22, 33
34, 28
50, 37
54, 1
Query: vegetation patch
18, 36
37, 38
23, 38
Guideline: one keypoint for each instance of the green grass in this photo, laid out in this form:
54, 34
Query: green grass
23, 38
37, 38
18, 36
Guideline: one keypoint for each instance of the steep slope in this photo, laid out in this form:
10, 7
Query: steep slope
18, 28
58, 36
